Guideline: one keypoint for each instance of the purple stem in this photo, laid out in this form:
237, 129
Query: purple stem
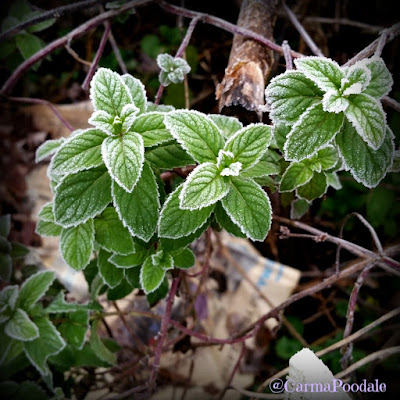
287, 55
159, 94
95, 62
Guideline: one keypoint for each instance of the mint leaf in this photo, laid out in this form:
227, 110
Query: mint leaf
137, 92
368, 118
249, 144
98, 346
48, 148
326, 158
396, 162
46, 212
8, 297
159, 107
333, 180
313, 131
334, 102
173, 69
381, 79
108, 92
163, 259
151, 128
130, 260
34, 288
315, 188
225, 222
138, 210
104, 121
203, 187
367, 166
74, 327
175, 222
46, 228
356, 80
227, 125
249, 207
151, 275
196, 133
184, 259
266, 166
123, 157
76, 244
82, 196
325, 72
168, 156
47, 344
280, 132
80, 152
111, 234
59, 305
298, 208
290, 94
20, 327
120, 291
111, 275
297, 174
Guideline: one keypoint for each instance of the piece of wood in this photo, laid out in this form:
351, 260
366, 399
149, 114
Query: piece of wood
241, 91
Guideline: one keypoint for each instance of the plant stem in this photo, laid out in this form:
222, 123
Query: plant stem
287, 55
117, 53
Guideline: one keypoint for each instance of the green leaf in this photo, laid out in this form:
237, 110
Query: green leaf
151, 275
132, 275
46, 228
138, 210
315, 188
120, 291
5, 267
59, 305
381, 79
34, 288
203, 187
313, 131
18, 250
196, 133
326, 158
41, 26
280, 132
168, 156
367, 166
111, 275
334, 102
128, 116
46, 212
20, 327
98, 346
130, 260
111, 234
161, 292
76, 244
357, 78
173, 69
28, 44
227, 125
74, 327
105, 122
159, 107
21, 390
184, 259
8, 297
47, 344
396, 162
151, 128
124, 157
297, 174
249, 144
298, 208
368, 118
82, 196
137, 92
48, 148
333, 180
225, 222
80, 152
108, 92
249, 207
163, 259
175, 222
325, 72
266, 166
290, 95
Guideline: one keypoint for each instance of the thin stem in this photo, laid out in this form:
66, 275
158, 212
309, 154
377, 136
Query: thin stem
99, 53
303, 33
46, 103
117, 53
287, 55
391, 103
159, 94
345, 21
163, 333
45, 16
77, 32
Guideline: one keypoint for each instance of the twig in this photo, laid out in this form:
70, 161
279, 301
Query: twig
381, 43
303, 33
75, 55
43, 102
287, 55
99, 53
163, 333
77, 32
117, 53
54, 13
391, 102
391, 33
345, 21
347, 350
378, 355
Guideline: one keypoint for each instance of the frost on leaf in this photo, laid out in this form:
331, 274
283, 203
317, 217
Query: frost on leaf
82, 196
175, 222
80, 152
48, 148
173, 69
314, 188
124, 157
196, 133
128, 116
163, 259
356, 80
368, 118
326, 158
227, 125
104, 121
137, 92
314, 130
151, 128
249, 207
108, 92
367, 166
325, 72
396, 162
290, 94
151, 275
203, 187
381, 79
297, 174
333, 102
111, 275
168, 156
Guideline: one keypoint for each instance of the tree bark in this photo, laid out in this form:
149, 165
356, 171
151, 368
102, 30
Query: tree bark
241, 91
